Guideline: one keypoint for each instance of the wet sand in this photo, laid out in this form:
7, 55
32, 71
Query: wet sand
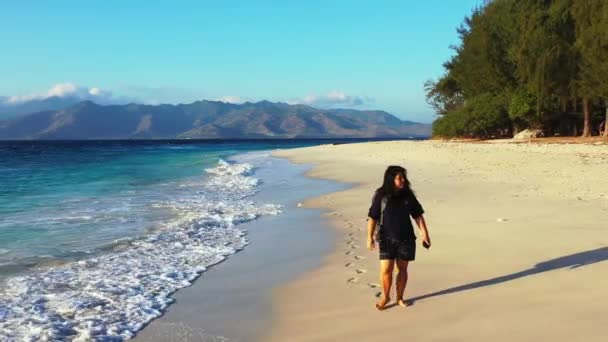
232, 301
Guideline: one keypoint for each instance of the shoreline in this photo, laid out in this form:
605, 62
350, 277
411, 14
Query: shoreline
469, 206
239, 289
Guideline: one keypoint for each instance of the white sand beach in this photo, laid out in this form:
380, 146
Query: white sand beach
520, 245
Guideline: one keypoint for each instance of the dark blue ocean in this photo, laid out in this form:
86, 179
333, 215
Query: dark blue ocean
95, 235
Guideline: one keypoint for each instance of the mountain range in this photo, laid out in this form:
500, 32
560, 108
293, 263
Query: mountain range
205, 120
10, 110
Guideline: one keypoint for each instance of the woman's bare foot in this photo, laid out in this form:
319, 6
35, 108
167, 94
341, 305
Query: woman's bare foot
402, 302
381, 304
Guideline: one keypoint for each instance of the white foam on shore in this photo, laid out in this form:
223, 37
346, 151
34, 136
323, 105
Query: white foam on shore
112, 296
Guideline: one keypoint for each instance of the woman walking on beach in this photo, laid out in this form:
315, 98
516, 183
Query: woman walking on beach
392, 205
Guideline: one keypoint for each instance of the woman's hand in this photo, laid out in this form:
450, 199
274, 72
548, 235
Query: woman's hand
427, 239
371, 244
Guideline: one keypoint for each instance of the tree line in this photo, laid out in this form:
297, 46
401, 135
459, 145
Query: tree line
526, 64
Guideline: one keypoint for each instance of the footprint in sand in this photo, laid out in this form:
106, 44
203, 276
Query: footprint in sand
350, 242
354, 246
348, 252
352, 280
373, 285
360, 271
348, 264
378, 294
358, 257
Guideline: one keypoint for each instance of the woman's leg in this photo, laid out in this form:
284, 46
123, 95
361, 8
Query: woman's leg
386, 278
401, 280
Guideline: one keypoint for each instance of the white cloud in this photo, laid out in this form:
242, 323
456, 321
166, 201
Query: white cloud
334, 98
61, 90
230, 99
95, 91
69, 90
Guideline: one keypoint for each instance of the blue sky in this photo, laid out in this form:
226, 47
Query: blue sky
358, 54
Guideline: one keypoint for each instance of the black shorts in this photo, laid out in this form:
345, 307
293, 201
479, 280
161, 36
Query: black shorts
397, 249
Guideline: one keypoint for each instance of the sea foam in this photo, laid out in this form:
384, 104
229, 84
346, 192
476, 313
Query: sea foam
113, 295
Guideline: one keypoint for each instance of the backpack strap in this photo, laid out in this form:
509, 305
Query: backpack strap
382, 207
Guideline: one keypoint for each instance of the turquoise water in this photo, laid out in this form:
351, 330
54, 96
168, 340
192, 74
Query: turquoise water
62, 199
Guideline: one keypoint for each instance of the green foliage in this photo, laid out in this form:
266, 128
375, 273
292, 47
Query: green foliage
483, 116
592, 46
443, 95
522, 104
522, 109
522, 63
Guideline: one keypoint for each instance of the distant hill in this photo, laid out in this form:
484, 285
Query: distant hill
10, 110
207, 119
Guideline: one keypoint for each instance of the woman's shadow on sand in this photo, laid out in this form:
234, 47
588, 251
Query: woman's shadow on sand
569, 261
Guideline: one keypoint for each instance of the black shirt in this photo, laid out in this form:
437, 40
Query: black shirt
399, 208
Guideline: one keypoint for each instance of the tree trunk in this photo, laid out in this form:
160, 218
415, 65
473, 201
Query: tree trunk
586, 117
563, 102
606, 120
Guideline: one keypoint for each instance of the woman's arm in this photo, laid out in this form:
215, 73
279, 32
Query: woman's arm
373, 215
424, 232
371, 229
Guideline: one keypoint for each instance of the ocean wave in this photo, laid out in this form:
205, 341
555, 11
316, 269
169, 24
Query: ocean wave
232, 177
113, 295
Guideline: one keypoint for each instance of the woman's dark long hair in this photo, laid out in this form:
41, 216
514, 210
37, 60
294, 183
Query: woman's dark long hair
388, 186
